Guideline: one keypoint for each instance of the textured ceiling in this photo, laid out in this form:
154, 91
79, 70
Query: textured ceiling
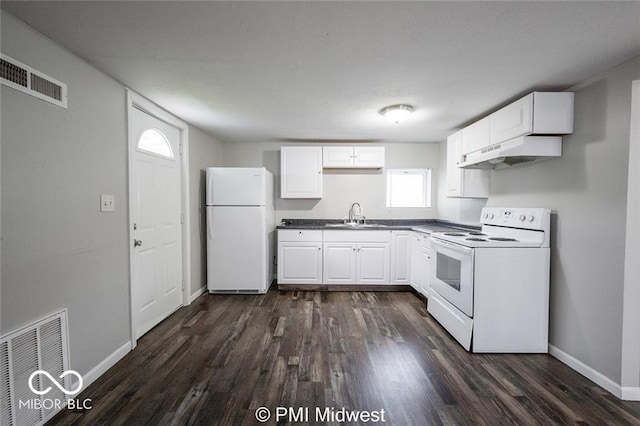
308, 71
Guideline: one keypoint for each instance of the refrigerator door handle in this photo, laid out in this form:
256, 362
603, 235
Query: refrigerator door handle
209, 223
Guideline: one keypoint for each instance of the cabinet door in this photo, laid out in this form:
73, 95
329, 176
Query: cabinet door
400, 257
373, 263
463, 183
475, 136
425, 271
416, 271
454, 174
301, 172
512, 121
337, 156
339, 263
299, 263
368, 156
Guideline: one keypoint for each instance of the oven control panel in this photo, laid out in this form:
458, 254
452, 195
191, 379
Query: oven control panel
519, 217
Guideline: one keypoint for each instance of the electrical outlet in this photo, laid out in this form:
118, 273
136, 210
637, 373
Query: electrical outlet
107, 203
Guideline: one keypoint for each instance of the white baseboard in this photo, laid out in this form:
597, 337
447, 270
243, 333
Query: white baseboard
106, 364
630, 394
197, 294
588, 372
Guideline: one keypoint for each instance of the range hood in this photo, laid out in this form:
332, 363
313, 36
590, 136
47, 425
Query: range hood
522, 150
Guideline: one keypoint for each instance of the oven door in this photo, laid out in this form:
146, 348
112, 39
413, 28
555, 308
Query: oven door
452, 274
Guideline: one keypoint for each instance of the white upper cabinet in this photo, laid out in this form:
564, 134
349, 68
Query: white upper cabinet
368, 156
463, 183
337, 156
344, 157
475, 136
539, 113
301, 172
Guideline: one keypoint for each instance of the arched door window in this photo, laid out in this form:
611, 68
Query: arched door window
153, 141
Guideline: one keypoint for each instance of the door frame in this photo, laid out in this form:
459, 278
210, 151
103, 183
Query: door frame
135, 100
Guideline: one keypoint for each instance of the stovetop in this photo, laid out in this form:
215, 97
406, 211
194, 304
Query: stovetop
504, 227
486, 239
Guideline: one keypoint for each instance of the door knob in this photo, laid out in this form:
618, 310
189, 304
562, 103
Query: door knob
137, 243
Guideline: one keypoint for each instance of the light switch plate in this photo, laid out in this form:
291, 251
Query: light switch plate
107, 203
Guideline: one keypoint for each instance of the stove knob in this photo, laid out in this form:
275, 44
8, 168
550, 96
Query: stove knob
530, 218
490, 215
486, 215
522, 217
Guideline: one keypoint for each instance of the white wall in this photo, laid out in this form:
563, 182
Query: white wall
203, 152
59, 251
586, 189
341, 188
631, 313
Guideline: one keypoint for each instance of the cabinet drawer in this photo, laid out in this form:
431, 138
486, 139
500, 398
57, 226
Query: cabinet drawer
299, 235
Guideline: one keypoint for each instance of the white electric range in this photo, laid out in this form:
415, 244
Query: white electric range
490, 288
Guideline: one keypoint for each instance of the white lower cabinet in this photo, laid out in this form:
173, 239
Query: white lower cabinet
344, 257
425, 267
401, 257
339, 266
372, 266
415, 261
356, 257
420, 262
299, 257
356, 263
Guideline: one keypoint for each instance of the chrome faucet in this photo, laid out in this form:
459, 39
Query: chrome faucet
354, 214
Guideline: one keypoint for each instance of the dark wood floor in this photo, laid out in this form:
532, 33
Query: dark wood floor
221, 358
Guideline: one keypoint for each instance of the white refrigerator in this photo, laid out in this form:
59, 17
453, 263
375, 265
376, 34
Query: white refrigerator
240, 229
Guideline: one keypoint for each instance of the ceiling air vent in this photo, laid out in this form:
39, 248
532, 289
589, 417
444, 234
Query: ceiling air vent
22, 77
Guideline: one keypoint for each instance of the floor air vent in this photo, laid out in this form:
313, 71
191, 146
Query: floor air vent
38, 346
22, 77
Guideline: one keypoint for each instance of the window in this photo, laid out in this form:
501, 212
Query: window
409, 188
155, 142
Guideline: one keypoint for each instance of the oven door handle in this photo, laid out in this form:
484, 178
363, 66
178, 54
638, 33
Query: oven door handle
452, 246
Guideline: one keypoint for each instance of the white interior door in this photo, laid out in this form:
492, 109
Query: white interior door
157, 288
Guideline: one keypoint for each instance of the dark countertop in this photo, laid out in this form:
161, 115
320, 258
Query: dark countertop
420, 225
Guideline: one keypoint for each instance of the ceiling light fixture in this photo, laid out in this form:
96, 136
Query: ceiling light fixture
396, 113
